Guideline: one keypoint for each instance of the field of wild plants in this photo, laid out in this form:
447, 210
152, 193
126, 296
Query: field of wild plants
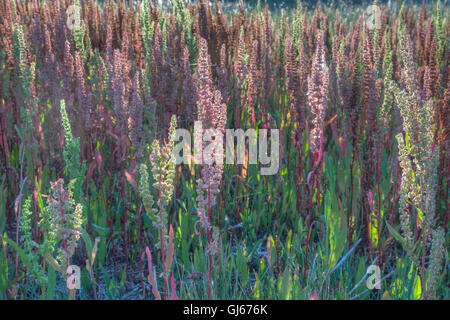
93, 204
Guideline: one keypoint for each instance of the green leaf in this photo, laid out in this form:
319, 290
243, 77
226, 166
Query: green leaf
52, 261
417, 288
396, 235
257, 288
289, 241
407, 143
51, 283
87, 241
123, 278
101, 230
41, 203
286, 285
21, 252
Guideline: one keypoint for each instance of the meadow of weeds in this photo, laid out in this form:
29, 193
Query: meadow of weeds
93, 204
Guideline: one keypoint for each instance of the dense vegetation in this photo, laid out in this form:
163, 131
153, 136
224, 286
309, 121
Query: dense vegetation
90, 97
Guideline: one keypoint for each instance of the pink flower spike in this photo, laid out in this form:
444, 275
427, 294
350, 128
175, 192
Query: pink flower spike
149, 259
370, 200
343, 145
173, 295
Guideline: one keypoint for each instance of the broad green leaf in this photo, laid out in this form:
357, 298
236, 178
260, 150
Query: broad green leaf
396, 235
23, 255
417, 288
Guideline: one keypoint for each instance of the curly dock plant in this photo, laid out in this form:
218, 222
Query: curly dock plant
60, 222
163, 172
61, 219
71, 154
418, 159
